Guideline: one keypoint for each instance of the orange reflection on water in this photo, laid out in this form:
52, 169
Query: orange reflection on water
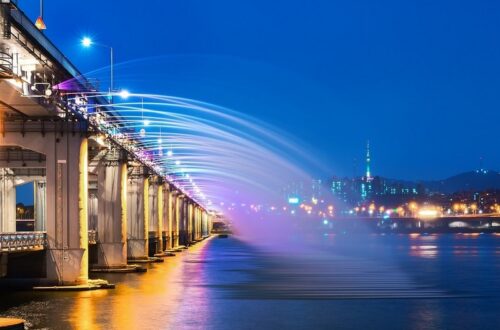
83, 314
469, 235
160, 298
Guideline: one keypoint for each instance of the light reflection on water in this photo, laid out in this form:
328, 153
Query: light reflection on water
420, 282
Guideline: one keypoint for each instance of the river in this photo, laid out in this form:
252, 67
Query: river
363, 281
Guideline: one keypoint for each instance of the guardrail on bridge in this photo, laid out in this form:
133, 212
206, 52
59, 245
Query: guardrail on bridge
23, 241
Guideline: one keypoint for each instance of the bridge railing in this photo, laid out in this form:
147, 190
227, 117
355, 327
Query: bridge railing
20, 241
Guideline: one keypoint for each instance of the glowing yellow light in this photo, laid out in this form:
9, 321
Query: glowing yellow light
429, 212
40, 24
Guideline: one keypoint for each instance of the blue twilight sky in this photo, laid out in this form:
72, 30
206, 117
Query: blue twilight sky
420, 79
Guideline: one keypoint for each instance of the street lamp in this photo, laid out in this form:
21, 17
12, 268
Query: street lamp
87, 42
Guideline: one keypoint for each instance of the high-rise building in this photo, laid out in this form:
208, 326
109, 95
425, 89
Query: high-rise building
366, 182
368, 170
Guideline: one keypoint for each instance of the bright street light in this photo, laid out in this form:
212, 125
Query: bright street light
86, 42
124, 94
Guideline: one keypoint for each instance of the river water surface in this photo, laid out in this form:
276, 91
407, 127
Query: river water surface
364, 281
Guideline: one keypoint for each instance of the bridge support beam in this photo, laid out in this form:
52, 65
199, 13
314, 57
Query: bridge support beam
40, 199
183, 221
138, 218
175, 220
169, 228
199, 231
154, 218
165, 218
189, 222
160, 215
204, 226
7, 202
66, 204
112, 216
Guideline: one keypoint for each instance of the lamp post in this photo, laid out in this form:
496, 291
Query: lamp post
87, 42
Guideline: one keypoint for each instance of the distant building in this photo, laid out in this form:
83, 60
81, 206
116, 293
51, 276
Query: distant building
359, 190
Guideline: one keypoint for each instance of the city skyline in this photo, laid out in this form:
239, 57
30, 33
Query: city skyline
364, 168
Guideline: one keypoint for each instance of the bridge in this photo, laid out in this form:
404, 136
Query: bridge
480, 223
94, 190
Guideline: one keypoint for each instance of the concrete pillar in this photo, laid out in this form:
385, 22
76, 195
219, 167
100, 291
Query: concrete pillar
195, 222
189, 219
112, 215
199, 226
182, 221
40, 202
159, 223
165, 217
92, 210
66, 204
177, 220
203, 224
200, 223
185, 221
67, 228
155, 209
170, 220
137, 218
7, 202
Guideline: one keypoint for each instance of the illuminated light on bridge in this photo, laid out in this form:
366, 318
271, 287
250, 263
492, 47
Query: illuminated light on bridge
429, 212
86, 41
124, 94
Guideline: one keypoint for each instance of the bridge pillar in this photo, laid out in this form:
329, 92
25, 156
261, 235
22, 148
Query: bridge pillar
40, 200
165, 218
66, 204
138, 218
67, 196
154, 217
176, 219
169, 219
200, 223
183, 221
7, 202
195, 222
204, 224
112, 215
209, 223
160, 214
189, 222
